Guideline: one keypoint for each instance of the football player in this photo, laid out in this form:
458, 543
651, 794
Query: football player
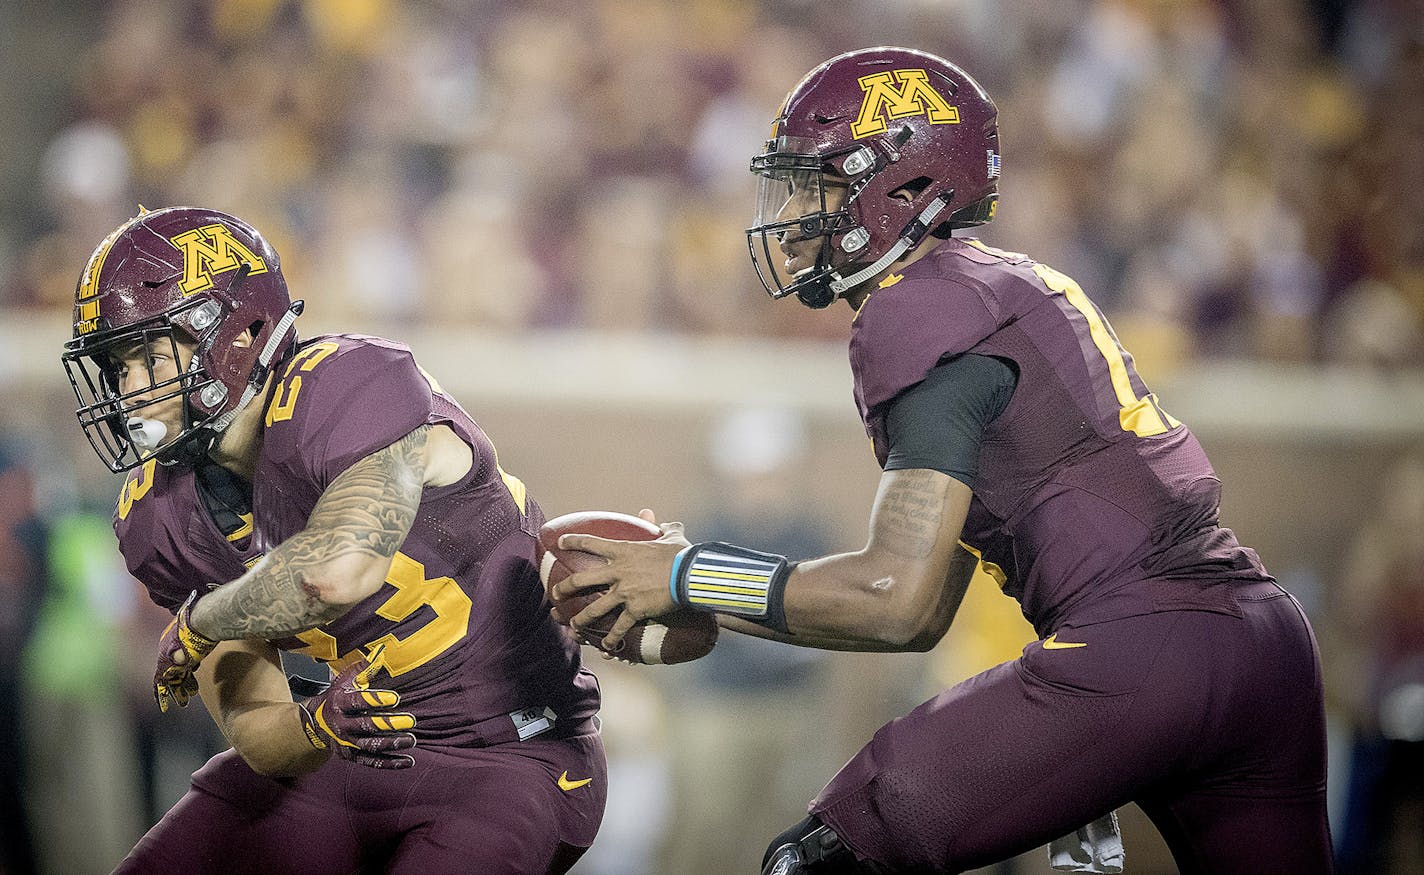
1014, 433
326, 497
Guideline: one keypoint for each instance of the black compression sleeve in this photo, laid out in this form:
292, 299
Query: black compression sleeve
939, 423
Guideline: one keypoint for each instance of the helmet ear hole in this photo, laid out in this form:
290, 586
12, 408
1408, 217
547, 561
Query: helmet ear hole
912, 189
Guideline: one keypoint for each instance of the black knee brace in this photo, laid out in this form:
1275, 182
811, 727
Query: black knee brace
810, 848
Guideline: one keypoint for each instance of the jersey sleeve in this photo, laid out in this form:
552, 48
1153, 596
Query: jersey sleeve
362, 398
939, 424
904, 330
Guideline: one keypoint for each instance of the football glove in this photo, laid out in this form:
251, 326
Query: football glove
359, 723
174, 682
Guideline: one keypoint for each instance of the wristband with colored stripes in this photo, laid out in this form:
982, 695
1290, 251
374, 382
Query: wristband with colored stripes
727, 579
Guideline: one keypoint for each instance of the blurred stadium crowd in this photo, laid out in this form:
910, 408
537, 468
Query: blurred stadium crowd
1227, 178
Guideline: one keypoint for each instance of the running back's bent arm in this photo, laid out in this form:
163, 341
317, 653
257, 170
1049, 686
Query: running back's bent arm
244, 688
342, 556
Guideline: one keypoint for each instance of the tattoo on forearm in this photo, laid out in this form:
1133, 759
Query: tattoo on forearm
368, 509
911, 513
270, 601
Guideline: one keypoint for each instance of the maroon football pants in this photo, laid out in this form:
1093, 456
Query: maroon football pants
518, 808
1214, 724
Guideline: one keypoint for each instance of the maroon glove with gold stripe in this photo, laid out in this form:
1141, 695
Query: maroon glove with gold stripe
180, 649
359, 723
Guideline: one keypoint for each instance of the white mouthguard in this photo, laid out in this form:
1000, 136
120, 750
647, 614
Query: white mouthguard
147, 434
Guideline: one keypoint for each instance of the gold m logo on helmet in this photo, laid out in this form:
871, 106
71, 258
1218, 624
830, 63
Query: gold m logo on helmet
912, 96
210, 250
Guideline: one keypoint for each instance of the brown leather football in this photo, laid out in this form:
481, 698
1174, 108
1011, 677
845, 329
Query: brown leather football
678, 637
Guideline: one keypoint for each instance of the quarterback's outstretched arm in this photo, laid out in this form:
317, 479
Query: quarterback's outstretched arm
904, 587
917, 624
901, 591
898, 593
342, 556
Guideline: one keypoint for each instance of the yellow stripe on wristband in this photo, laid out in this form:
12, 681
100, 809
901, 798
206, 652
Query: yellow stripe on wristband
727, 575
743, 590
726, 578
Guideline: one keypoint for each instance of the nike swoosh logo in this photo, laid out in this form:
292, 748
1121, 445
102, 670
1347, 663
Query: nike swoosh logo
566, 785
1052, 643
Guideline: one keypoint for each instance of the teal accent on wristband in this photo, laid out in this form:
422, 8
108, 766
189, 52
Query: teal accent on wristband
679, 598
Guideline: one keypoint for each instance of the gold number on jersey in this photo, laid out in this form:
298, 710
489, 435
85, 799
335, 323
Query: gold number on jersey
136, 487
413, 591
284, 397
321, 645
442, 595
1143, 416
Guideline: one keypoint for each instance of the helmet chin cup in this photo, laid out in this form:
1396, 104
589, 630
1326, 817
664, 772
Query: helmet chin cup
817, 295
191, 449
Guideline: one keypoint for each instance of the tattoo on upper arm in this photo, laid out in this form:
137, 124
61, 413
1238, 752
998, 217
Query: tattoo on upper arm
368, 509
910, 514
371, 506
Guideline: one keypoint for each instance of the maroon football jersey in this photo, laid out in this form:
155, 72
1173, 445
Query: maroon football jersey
462, 613
1086, 485
170, 542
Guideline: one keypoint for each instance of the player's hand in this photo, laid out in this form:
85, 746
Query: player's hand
358, 722
180, 649
636, 577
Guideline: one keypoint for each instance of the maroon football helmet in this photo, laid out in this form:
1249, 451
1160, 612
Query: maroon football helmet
176, 275
912, 135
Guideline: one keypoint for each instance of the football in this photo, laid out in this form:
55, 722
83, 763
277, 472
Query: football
678, 637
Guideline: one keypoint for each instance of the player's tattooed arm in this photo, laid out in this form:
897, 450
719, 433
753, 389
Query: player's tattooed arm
341, 557
937, 622
909, 514
901, 591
